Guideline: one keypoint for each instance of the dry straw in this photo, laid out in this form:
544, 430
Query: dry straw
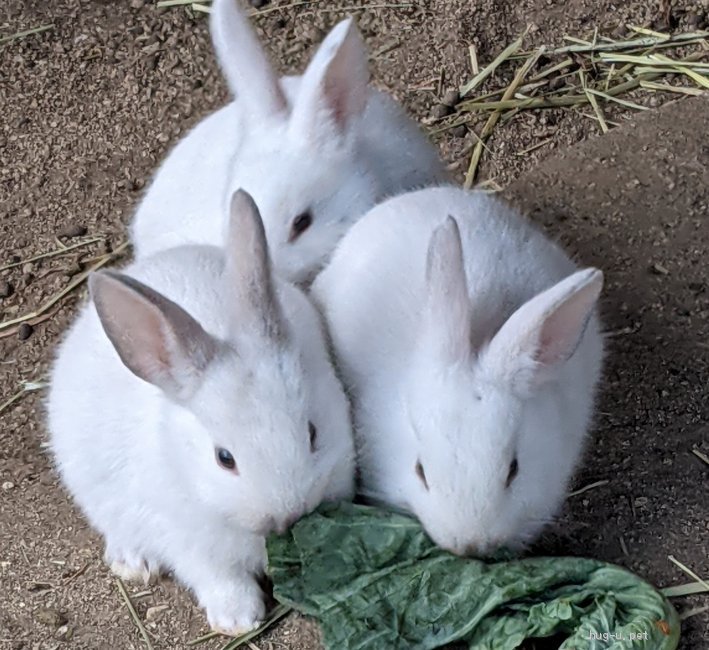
29, 32
598, 73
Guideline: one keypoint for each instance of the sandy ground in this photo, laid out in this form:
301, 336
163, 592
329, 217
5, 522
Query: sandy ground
90, 107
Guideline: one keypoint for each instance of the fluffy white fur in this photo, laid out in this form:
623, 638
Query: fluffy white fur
467, 339
229, 357
324, 142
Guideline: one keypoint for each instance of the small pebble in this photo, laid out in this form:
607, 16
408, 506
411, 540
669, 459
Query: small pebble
73, 230
8, 485
155, 613
441, 110
64, 633
661, 24
137, 4
6, 289
619, 32
50, 616
25, 331
459, 131
693, 19
658, 269
74, 269
451, 98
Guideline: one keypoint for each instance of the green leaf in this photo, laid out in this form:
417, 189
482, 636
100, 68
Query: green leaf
375, 580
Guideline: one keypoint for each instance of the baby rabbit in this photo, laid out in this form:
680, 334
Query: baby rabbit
193, 409
471, 347
315, 151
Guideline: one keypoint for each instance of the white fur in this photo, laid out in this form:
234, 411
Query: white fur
324, 142
140, 458
440, 370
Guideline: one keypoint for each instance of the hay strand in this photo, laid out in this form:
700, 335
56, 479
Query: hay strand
496, 63
492, 120
54, 253
688, 571
28, 32
27, 387
701, 455
594, 103
689, 589
79, 279
133, 614
586, 488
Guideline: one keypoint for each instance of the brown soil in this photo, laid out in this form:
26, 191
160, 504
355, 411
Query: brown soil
89, 109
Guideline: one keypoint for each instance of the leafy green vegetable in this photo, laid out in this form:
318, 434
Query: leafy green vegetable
375, 580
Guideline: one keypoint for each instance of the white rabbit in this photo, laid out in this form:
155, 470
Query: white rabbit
315, 152
470, 345
190, 423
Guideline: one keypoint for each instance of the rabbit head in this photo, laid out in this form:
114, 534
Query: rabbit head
492, 452
252, 419
298, 157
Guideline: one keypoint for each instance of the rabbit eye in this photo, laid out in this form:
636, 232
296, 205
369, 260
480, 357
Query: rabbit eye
313, 432
421, 474
225, 459
300, 224
514, 469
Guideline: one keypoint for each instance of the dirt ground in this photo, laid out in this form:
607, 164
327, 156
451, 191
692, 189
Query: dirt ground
90, 107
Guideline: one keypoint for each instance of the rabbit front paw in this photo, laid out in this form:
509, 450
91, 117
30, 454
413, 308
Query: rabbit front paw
131, 566
235, 608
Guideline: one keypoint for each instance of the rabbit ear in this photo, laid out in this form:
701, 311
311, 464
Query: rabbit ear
156, 339
545, 331
334, 88
248, 270
243, 61
447, 320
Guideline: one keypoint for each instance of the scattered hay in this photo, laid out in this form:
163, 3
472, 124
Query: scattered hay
203, 6
492, 120
53, 300
588, 73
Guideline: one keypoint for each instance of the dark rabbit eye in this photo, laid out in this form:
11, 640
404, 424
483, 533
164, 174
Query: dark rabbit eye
313, 432
300, 224
225, 459
514, 468
421, 474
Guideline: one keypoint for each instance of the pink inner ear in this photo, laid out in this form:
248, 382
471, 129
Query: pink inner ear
337, 99
138, 334
155, 338
345, 83
562, 330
